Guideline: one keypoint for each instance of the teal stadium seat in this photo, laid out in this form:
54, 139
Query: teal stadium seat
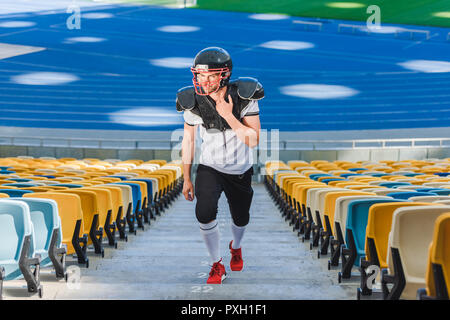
17, 246
48, 233
355, 234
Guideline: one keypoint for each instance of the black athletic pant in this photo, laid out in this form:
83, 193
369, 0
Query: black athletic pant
209, 185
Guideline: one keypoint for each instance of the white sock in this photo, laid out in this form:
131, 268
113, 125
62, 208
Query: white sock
238, 233
210, 233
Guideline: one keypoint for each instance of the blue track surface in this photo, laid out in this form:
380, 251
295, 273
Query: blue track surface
117, 75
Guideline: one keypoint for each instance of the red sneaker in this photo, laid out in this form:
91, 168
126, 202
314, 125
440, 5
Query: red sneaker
217, 274
236, 263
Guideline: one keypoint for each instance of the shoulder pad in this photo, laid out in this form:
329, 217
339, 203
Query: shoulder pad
249, 88
185, 98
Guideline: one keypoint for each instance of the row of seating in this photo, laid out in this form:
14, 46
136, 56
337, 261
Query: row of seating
51, 208
368, 215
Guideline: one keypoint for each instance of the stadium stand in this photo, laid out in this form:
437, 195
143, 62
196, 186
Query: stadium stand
43, 223
384, 222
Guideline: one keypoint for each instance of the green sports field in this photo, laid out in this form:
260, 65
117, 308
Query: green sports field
419, 12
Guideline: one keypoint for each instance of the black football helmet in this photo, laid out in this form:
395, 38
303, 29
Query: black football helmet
211, 60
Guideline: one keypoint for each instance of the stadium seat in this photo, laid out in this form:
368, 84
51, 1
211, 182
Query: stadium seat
68, 185
377, 235
340, 216
438, 267
311, 213
407, 195
132, 216
320, 205
93, 222
48, 234
329, 211
409, 241
15, 192
302, 221
393, 184
118, 205
17, 246
105, 213
355, 234
427, 198
71, 214
144, 198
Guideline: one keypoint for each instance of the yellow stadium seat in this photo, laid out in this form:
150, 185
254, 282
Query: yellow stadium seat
438, 268
409, 241
71, 214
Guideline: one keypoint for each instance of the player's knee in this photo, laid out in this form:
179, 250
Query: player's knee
205, 212
241, 220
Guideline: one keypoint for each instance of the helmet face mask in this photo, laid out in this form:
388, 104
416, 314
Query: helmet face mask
205, 87
209, 62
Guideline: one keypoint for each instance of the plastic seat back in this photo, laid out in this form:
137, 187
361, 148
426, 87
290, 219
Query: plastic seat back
320, 198
69, 209
427, 198
340, 213
45, 217
15, 225
438, 272
88, 206
407, 195
393, 184
22, 185
410, 237
383, 192
310, 203
330, 204
116, 199
127, 196
135, 191
378, 228
15, 192
357, 215
68, 185
104, 204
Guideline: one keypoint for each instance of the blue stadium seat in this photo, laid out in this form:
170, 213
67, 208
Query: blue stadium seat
443, 174
443, 192
6, 172
15, 192
438, 191
47, 233
377, 175
355, 237
17, 246
318, 175
407, 195
68, 185
425, 189
357, 169
21, 184
45, 176
331, 179
147, 206
19, 180
137, 215
394, 184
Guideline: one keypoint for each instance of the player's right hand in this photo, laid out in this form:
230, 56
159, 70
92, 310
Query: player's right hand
188, 190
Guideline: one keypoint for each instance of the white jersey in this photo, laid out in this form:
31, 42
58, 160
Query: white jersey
223, 150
